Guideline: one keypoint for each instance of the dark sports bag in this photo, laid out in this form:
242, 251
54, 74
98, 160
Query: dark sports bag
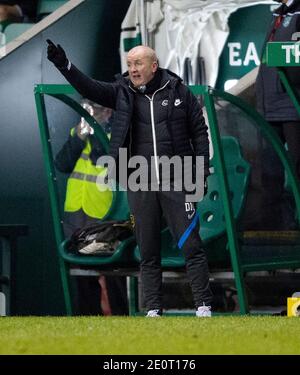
100, 238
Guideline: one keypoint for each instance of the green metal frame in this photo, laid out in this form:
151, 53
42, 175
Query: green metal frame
220, 168
62, 92
237, 264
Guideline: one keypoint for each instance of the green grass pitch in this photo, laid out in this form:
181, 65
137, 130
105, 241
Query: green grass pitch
140, 335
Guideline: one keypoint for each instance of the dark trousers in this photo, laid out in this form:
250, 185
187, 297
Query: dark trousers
278, 206
148, 208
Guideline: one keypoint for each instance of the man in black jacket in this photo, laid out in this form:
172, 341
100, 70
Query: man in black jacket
274, 103
155, 115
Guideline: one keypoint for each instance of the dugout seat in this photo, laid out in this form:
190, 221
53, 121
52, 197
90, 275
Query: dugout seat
14, 30
46, 7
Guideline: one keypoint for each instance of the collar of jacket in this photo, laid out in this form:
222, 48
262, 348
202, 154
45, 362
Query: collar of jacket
287, 9
166, 75
293, 7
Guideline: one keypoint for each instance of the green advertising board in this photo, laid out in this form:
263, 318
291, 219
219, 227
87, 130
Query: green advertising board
243, 49
283, 54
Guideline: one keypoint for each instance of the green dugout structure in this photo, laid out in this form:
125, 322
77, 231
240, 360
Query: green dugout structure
94, 27
125, 262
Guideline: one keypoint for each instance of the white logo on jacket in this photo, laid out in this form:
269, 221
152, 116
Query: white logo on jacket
177, 102
189, 207
165, 102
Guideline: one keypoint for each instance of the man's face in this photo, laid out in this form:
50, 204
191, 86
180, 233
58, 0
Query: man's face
141, 68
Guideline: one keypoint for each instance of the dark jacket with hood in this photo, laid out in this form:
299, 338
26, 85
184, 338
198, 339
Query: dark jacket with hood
71, 151
273, 102
169, 117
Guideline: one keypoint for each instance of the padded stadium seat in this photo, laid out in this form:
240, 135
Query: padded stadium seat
46, 7
3, 25
2, 37
13, 30
210, 209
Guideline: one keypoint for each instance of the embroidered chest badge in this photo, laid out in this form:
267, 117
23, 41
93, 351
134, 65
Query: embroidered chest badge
286, 21
165, 102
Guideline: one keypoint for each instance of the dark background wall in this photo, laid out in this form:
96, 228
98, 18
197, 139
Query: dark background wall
90, 36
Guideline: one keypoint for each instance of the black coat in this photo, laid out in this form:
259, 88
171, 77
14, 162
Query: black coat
185, 122
71, 151
273, 102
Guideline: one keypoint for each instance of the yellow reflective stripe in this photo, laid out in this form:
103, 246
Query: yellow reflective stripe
84, 156
83, 177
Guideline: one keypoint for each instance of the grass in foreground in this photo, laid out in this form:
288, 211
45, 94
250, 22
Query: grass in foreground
138, 335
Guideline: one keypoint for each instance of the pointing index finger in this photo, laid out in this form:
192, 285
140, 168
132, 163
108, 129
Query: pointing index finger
50, 42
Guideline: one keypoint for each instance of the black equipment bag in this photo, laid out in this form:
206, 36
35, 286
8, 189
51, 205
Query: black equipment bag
100, 238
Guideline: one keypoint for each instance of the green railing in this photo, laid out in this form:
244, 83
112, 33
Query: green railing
62, 92
268, 132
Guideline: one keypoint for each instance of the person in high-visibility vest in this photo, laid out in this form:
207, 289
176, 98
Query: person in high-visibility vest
85, 204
